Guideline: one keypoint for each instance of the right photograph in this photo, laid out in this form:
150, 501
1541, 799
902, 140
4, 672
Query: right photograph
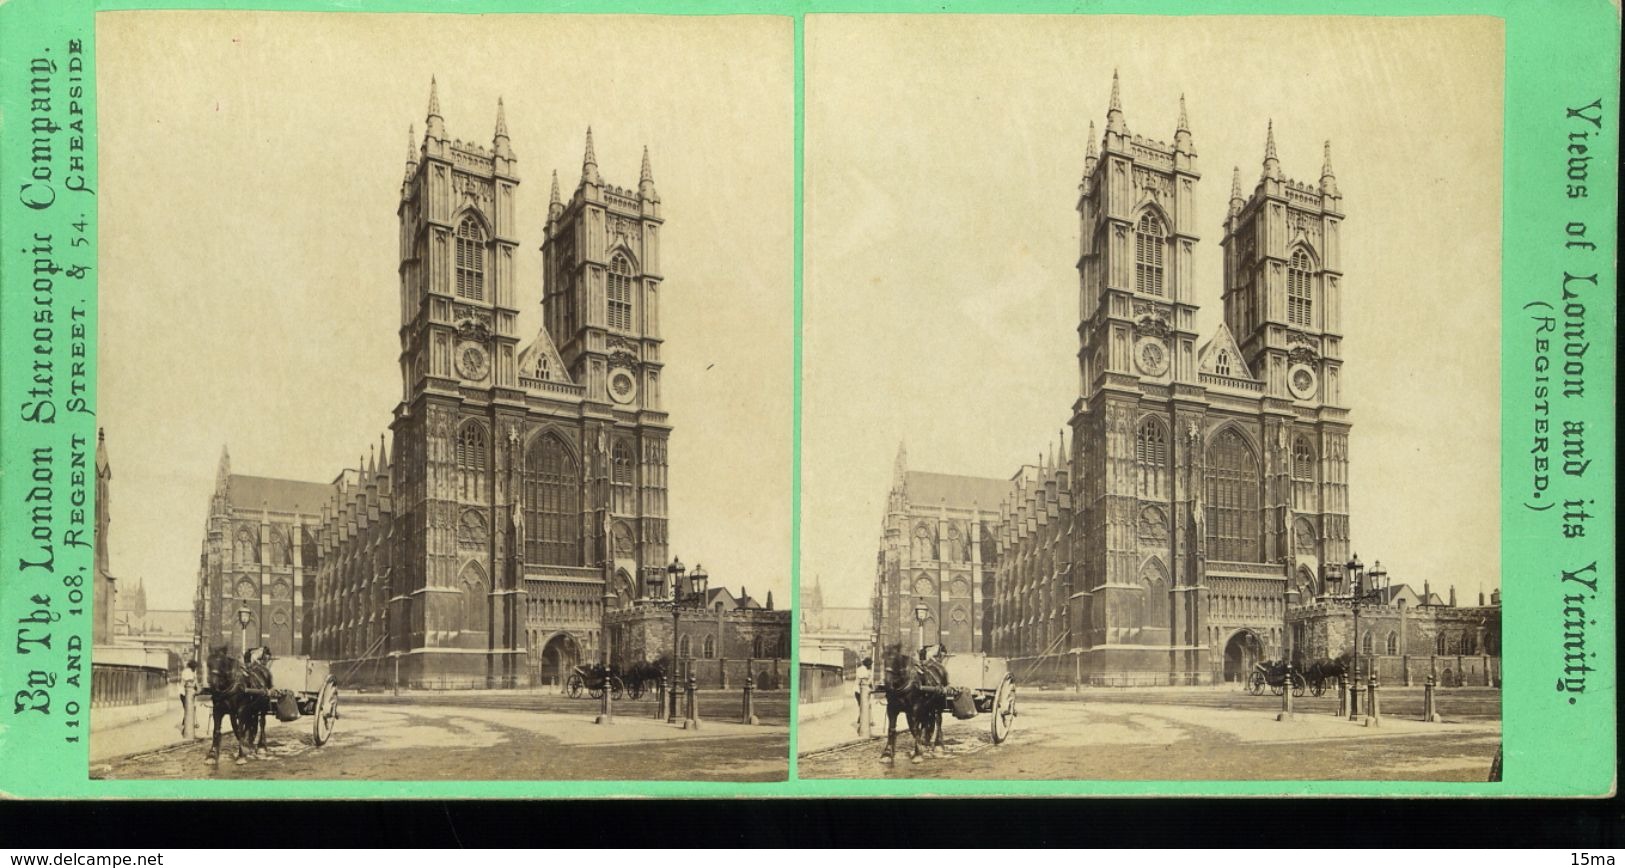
1151, 398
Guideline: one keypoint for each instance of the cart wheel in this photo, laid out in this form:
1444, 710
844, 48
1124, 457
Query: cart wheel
1255, 684
1004, 709
635, 690
1318, 687
327, 712
572, 686
617, 688
1275, 689
1297, 684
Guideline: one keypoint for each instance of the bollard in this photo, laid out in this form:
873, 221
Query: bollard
660, 697
1286, 696
1354, 697
866, 711
693, 719
1373, 716
1430, 707
189, 717
748, 716
606, 710
1342, 696
671, 694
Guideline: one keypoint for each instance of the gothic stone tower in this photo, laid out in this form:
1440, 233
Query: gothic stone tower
455, 603
601, 264
1185, 467
1283, 273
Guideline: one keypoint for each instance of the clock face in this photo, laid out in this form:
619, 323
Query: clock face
1301, 380
472, 362
622, 387
1152, 357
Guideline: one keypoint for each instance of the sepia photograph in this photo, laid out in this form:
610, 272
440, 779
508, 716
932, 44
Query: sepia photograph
1151, 421
445, 397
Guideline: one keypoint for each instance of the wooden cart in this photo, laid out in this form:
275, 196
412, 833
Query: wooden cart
314, 687
992, 688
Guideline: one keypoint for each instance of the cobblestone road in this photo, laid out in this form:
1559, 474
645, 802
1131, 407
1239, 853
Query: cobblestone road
1220, 736
421, 742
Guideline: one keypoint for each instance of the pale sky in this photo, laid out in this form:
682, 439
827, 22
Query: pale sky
943, 160
251, 167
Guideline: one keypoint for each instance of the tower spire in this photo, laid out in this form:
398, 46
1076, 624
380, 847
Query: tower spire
1272, 166
1236, 201
589, 163
434, 125
1114, 111
1182, 130
1328, 181
500, 145
411, 149
554, 206
1090, 155
646, 179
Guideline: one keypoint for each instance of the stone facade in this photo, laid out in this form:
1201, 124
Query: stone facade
105, 587
1405, 636
259, 552
719, 643
936, 550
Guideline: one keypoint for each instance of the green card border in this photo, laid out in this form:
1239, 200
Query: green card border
1558, 54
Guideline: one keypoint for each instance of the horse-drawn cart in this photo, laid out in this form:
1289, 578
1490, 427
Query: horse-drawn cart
315, 693
1274, 675
991, 689
593, 680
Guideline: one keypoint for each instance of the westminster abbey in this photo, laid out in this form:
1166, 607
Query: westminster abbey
523, 492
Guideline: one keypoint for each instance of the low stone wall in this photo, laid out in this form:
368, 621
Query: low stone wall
820, 682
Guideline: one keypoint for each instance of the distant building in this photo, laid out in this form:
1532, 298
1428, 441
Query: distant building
841, 628
168, 629
1405, 636
105, 588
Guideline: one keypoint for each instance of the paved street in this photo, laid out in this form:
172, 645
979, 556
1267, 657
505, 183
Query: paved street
1196, 734
407, 741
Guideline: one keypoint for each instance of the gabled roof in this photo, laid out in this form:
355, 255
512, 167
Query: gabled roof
1224, 341
538, 351
252, 493
931, 489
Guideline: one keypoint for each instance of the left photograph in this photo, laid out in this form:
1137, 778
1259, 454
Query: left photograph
463, 459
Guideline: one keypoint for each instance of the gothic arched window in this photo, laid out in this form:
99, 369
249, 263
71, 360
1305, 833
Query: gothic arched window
552, 497
620, 293
471, 451
1303, 459
1367, 644
684, 648
925, 548
1439, 645
1221, 363
1300, 300
1151, 457
756, 646
1232, 499
470, 260
710, 649
623, 463
1393, 644
1148, 244
247, 547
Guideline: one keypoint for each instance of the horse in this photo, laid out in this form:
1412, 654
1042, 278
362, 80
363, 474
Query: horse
1327, 670
228, 692
256, 666
915, 688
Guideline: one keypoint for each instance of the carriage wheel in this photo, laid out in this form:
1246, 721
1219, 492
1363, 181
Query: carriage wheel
1004, 709
1276, 688
596, 692
634, 690
617, 687
1317, 687
1297, 684
572, 686
1255, 684
327, 712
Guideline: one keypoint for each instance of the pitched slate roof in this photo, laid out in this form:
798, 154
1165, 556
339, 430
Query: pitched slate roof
930, 489
250, 493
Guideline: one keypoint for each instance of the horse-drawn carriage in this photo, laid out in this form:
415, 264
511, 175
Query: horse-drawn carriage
967, 685
1274, 675
250, 688
593, 681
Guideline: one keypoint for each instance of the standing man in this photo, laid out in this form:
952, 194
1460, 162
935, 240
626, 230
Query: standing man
861, 691
188, 690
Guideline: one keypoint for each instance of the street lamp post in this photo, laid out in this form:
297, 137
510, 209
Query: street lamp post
1359, 591
675, 570
921, 612
243, 615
